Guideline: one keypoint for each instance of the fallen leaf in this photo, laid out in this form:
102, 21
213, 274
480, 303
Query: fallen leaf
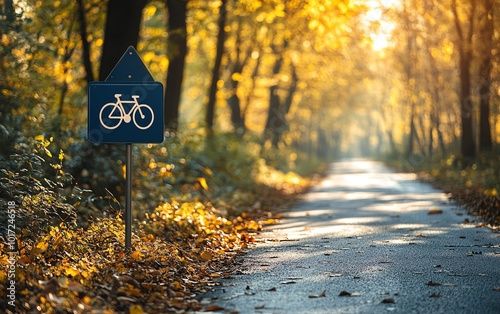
177, 285
432, 283
213, 308
25, 259
71, 271
42, 246
136, 255
435, 211
135, 309
288, 282
321, 295
206, 256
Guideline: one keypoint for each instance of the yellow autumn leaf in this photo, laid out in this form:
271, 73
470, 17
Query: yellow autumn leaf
206, 256
42, 246
85, 274
203, 183
70, 271
136, 309
136, 255
48, 153
177, 285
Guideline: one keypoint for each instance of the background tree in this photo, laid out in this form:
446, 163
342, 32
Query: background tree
485, 55
87, 63
221, 37
465, 32
123, 21
176, 51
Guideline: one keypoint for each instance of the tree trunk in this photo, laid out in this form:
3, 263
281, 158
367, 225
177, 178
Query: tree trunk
409, 150
275, 117
8, 11
177, 50
486, 41
410, 58
467, 148
123, 22
251, 89
233, 101
209, 118
89, 76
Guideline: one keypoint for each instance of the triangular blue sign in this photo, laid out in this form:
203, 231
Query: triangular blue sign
130, 68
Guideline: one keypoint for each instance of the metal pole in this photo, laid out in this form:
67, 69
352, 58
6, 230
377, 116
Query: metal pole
128, 199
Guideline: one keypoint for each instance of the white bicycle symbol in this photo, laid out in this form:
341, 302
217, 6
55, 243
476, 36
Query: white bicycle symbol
113, 114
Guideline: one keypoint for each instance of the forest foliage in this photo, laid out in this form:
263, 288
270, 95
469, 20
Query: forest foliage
258, 95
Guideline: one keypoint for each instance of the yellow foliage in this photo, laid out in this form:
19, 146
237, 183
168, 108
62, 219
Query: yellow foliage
148, 56
5, 40
491, 192
149, 11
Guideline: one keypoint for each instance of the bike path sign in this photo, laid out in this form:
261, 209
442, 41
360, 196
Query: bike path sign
128, 106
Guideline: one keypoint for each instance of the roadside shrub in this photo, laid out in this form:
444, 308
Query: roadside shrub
39, 187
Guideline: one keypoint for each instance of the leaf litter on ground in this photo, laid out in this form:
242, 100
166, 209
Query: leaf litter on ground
177, 251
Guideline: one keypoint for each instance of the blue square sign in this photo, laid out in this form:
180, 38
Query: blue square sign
125, 112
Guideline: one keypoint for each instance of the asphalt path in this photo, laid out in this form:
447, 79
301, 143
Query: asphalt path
367, 240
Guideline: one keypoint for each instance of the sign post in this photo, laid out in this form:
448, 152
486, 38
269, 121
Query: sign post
126, 108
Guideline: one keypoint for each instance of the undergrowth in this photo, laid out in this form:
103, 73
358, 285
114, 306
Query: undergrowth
196, 207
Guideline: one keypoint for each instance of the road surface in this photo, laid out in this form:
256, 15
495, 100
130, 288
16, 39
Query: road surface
367, 240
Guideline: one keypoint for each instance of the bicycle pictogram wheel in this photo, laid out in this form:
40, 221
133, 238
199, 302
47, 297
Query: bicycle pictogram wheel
143, 116
111, 116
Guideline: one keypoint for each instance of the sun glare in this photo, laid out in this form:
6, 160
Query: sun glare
380, 35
